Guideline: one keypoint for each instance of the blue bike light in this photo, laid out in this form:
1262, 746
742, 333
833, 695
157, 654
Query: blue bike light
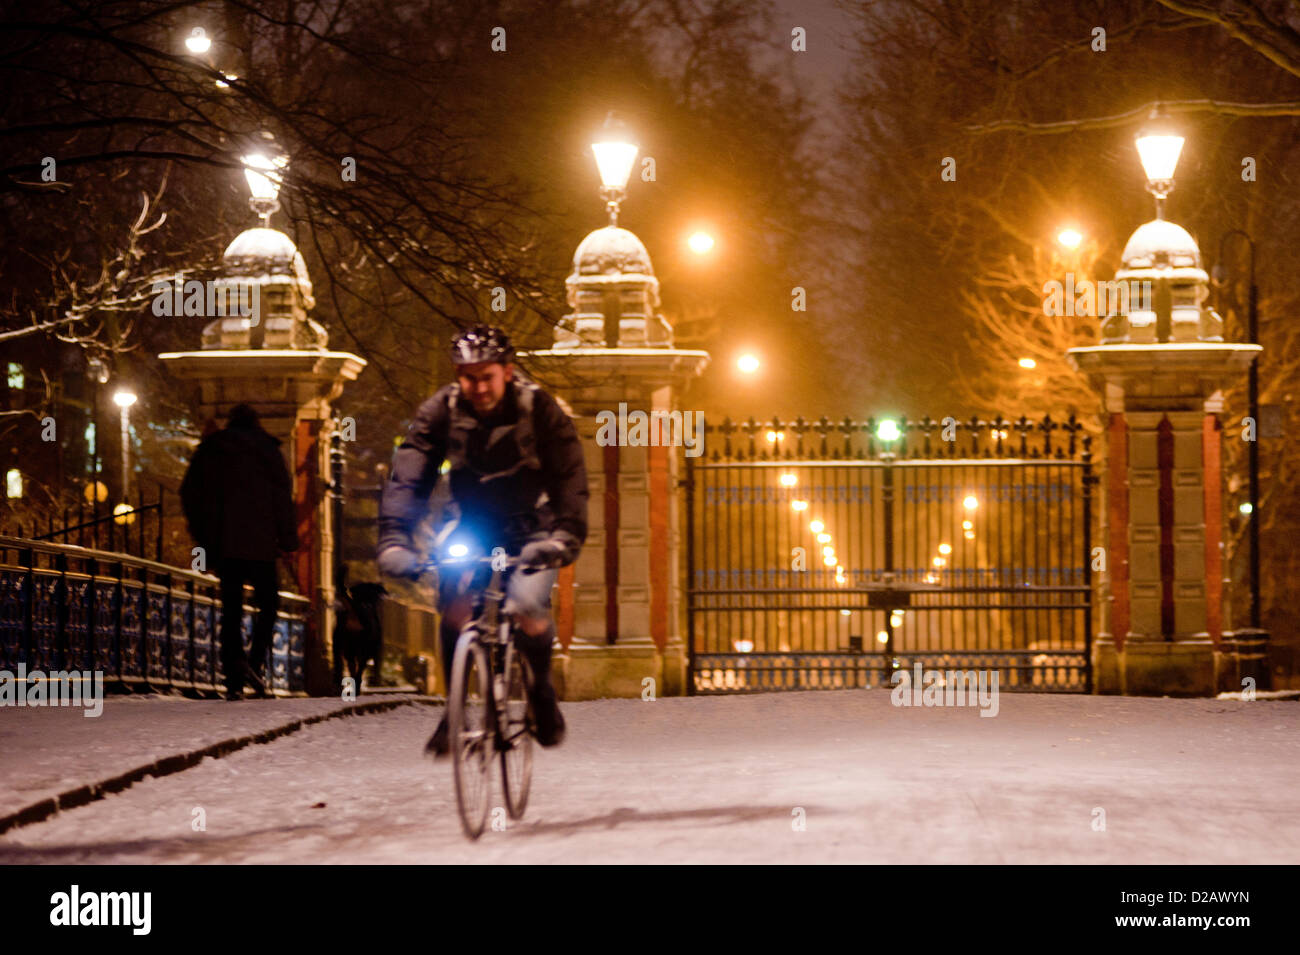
461, 547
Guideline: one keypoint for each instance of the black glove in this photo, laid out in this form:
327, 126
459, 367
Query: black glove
554, 551
400, 562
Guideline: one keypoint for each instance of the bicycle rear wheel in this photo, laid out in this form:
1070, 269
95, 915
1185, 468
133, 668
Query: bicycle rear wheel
516, 734
470, 731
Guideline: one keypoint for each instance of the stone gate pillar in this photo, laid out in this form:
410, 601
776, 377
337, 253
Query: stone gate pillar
276, 360
619, 608
1160, 371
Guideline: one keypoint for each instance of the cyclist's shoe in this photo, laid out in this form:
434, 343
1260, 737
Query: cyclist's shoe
438, 744
549, 721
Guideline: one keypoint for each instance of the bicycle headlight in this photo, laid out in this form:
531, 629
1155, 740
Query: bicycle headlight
460, 548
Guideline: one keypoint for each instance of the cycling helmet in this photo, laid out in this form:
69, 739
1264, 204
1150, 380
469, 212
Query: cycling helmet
481, 343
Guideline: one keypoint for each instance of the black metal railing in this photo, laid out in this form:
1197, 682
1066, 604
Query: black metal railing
122, 529
820, 556
143, 624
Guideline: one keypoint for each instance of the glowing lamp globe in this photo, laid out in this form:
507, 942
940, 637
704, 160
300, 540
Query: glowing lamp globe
615, 152
198, 42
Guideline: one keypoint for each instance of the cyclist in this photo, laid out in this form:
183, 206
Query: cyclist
518, 480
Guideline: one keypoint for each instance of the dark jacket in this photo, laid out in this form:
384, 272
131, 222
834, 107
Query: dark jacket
500, 505
237, 496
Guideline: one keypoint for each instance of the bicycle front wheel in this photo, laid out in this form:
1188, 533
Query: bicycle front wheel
516, 734
470, 731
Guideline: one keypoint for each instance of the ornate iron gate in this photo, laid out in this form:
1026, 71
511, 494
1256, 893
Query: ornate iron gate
820, 556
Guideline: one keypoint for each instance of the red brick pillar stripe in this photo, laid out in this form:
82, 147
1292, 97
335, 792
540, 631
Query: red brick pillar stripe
659, 544
611, 543
1117, 504
564, 607
1165, 504
306, 560
1211, 456
305, 488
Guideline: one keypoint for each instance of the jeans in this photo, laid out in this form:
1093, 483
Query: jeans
266, 597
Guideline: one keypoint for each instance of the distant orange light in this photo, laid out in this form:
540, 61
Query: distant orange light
701, 243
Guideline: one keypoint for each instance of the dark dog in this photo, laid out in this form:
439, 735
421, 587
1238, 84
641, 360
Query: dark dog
358, 634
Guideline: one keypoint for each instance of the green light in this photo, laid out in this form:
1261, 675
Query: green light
1245, 507
888, 430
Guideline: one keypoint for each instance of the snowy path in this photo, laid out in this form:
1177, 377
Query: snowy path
712, 779
47, 750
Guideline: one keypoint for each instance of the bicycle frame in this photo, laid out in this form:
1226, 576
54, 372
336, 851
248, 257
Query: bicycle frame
489, 638
492, 626
488, 618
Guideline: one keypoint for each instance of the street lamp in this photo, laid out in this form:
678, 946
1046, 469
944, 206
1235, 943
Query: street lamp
125, 399
1159, 145
701, 243
888, 431
1252, 399
1070, 238
265, 175
615, 153
748, 364
198, 42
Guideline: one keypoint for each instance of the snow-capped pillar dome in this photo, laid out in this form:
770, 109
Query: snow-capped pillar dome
268, 295
1165, 287
614, 295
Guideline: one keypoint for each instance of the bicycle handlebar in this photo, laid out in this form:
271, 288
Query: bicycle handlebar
507, 563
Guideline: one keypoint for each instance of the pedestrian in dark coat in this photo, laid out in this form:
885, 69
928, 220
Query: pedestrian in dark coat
239, 507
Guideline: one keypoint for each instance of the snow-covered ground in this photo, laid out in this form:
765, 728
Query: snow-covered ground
729, 780
48, 750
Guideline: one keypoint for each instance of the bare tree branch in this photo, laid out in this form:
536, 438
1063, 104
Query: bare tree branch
1137, 114
1244, 20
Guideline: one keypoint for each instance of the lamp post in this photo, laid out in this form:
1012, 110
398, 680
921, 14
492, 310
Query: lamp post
887, 432
615, 153
1159, 145
125, 399
1252, 336
97, 372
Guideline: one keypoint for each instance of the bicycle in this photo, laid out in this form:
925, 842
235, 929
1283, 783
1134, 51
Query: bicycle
489, 709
